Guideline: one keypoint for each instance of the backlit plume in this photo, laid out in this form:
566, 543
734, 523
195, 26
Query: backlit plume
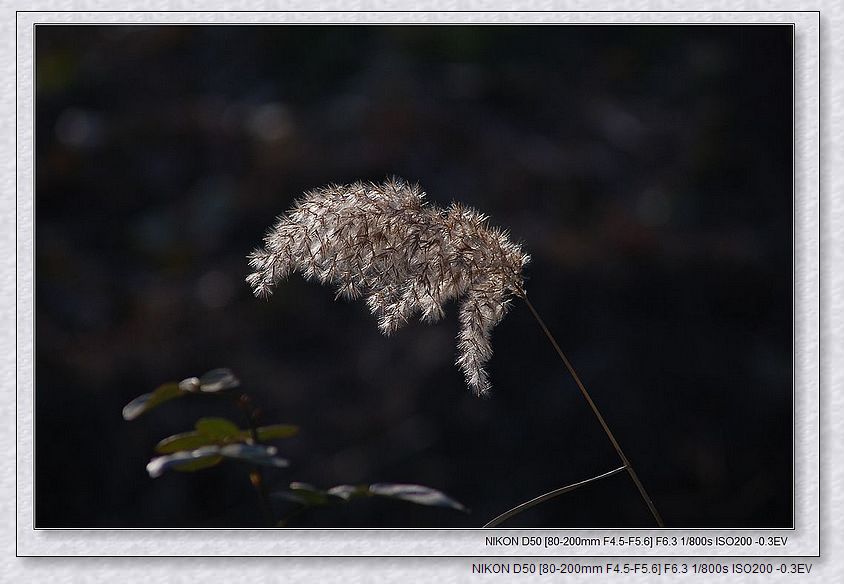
383, 242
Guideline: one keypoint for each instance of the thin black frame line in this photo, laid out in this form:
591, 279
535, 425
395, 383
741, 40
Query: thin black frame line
820, 264
794, 282
17, 103
792, 528
403, 24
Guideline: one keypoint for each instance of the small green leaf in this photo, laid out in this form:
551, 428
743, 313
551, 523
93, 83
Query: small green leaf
183, 441
191, 384
198, 464
183, 460
254, 453
301, 498
218, 380
415, 494
208, 431
147, 401
206, 456
347, 492
275, 432
306, 494
303, 494
218, 429
211, 382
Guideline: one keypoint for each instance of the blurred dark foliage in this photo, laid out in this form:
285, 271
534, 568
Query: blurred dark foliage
647, 169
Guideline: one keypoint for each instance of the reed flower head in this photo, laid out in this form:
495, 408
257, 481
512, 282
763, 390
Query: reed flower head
405, 256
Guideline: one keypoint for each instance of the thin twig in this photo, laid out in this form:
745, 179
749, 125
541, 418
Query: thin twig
256, 476
598, 415
550, 495
284, 521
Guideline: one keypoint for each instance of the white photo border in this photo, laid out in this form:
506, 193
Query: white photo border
803, 539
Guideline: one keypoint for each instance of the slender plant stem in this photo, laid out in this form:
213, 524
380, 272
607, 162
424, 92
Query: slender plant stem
295, 513
550, 495
256, 476
598, 415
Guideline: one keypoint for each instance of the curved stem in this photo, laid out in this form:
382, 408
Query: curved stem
296, 512
598, 415
550, 495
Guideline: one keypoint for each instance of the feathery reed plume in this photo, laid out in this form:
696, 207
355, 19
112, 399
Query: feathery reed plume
385, 242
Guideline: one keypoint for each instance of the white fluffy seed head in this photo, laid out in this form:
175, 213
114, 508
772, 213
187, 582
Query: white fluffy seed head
406, 257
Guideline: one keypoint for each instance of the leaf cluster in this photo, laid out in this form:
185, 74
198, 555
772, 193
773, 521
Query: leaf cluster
215, 440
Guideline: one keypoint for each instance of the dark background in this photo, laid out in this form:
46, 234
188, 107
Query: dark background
646, 169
